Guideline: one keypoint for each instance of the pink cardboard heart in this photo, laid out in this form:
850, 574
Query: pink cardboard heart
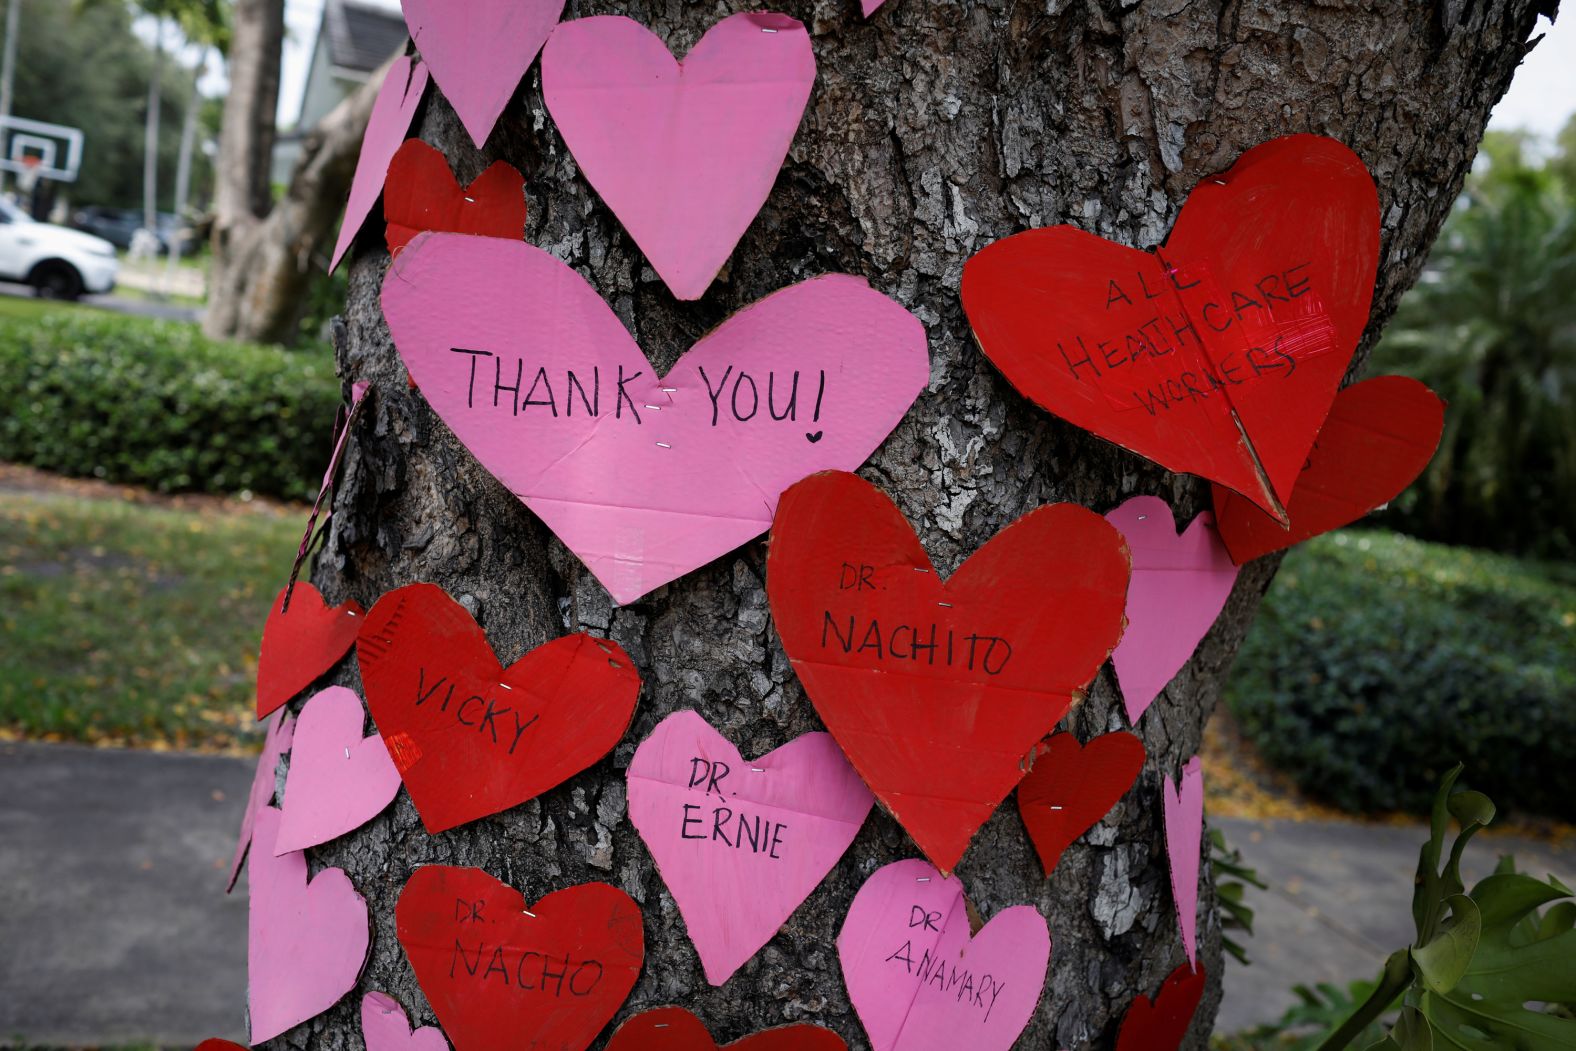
338, 779
479, 50
646, 477
1184, 813
741, 844
305, 942
392, 111
1180, 584
384, 1027
276, 742
684, 153
869, 6
920, 983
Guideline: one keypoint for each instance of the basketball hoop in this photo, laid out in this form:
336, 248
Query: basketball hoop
27, 177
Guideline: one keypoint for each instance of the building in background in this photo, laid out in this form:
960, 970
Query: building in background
354, 38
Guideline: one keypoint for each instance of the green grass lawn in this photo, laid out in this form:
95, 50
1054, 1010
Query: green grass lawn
175, 300
132, 623
33, 309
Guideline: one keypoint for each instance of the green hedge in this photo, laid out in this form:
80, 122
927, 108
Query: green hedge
156, 404
1379, 661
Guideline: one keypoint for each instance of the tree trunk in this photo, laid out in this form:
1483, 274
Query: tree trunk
259, 292
935, 128
242, 192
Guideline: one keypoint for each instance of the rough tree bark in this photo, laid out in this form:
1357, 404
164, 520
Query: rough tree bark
935, 128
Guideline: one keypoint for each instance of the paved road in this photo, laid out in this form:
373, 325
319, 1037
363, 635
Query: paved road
143, 308
136, 307
1339, 902
114, 927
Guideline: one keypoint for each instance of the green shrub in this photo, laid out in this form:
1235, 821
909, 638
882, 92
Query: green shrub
1491, 327
156, 404
1379, 661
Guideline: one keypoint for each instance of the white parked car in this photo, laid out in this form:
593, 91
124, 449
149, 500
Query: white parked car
60, 263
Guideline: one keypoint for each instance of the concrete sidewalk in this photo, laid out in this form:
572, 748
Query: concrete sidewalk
1340, 901
114, 926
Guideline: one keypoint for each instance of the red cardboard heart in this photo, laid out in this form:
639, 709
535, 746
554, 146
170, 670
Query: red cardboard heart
675, 1029
938, 692
1161, 1023
1071, 786
421, 193
471, 738
1379, 436
1218, 353
301, 644
215, 1044
501, 974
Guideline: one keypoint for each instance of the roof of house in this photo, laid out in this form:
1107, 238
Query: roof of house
360, 36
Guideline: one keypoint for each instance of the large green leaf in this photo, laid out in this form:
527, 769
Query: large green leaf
1412, 1032
1472, 811
1470, 808
1560, 918
1427, 896
1515, 962
1444, 961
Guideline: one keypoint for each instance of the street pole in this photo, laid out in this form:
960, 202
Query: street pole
13, 18
183, 171
150, 138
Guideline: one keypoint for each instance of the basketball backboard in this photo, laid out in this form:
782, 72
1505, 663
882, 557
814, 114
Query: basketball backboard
35, 148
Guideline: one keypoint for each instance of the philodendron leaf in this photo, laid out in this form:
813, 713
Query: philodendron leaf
1444, 960
1486, 1011
1426, 898
1471, 808
1561, 917
1412, 1032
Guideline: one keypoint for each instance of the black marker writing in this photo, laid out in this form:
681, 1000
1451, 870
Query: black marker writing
527, 971
484, 713
947, 978
1192, 386
737, 830
921, 643
743, 401
1190, 323
541, 393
